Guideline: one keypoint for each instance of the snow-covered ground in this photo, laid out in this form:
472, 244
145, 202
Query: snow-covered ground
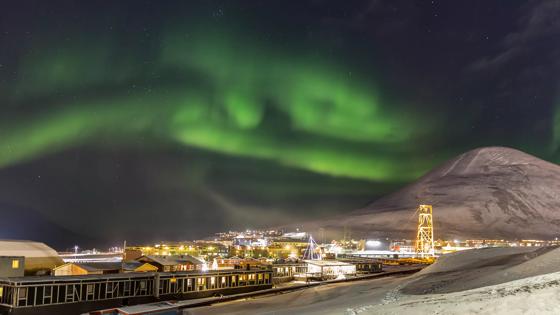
326, 299
534, 295
488, 281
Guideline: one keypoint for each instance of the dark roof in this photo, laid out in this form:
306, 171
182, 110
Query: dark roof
132, 265
188, 258
161, 260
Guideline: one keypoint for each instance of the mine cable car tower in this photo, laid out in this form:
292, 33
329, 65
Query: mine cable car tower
425, 234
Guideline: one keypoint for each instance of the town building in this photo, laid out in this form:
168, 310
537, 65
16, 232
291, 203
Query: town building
12, 266
174, 263
40, 259
137, 266
78, 269
239, 263
328, 269
97, 268
363, 265
48, 295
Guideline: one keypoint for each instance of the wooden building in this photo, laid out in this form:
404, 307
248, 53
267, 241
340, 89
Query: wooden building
364, 265
174, 263
40, 259
138, 266
97, 268
79, 294
80, 269
328, 269
12, 266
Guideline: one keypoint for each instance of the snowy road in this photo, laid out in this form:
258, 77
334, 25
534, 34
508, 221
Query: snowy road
340, 298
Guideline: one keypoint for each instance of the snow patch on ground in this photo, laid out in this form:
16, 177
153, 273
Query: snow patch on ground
534, 295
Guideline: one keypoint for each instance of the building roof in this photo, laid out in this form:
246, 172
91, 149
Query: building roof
37, 255
172, 260
192, 259
96, 266
161, 260
133, 265
26, 248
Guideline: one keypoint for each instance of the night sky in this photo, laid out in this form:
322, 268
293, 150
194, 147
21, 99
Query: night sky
155, 120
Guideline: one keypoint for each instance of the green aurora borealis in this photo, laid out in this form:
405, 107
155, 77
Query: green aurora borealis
232, 116
218, 100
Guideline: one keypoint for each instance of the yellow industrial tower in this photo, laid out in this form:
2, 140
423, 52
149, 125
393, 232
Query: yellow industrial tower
425, 236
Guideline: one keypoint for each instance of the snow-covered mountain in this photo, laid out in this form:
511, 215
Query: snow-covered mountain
491, 192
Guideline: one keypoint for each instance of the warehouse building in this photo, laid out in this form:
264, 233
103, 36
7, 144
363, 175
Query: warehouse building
40, 259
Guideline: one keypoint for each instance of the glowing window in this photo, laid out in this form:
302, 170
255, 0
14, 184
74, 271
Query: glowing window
15, 264
1, 291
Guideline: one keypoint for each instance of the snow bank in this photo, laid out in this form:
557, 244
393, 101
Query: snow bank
477, 268
533, 295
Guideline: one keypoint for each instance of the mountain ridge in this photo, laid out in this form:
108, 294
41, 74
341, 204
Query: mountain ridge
488, 192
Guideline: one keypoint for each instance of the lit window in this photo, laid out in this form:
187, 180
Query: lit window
1, 291
15, 264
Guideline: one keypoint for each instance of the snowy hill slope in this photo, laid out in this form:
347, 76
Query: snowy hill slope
491, 192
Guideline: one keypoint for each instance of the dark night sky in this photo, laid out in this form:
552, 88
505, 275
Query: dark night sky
155, 120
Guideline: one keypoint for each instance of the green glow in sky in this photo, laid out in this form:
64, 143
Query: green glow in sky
213, 93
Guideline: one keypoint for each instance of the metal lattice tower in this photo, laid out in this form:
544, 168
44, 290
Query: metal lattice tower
425, 236
310, 252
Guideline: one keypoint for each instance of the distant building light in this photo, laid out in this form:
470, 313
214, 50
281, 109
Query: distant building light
373, 243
